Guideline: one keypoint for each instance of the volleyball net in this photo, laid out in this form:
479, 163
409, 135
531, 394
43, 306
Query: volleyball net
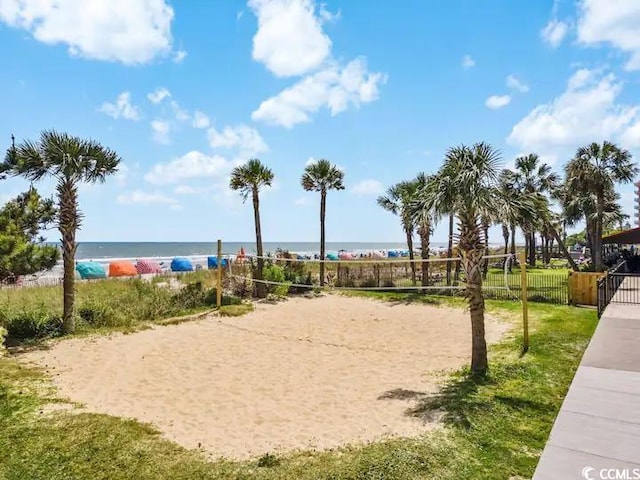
290, 273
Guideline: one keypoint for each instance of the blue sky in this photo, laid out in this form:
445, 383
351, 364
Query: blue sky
184, 91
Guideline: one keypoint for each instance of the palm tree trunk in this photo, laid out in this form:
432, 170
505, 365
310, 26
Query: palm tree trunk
532, 249
563, 247
505, 236
485, 262
450, 250
424, 253
513, 247
67, 225
323, 203
472, 248
596, 253
409, 233
260, 287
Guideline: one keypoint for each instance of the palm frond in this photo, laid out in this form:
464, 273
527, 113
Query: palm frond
322, 175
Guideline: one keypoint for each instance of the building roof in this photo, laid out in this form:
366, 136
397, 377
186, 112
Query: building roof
625, 237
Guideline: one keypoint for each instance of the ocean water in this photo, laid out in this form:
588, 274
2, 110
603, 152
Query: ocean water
106, 250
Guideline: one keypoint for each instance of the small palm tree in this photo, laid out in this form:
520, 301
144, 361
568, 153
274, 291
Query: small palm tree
596, 169
322, 176
467, 186
70, 161
399, 201
531, 176
425, 222
248, 179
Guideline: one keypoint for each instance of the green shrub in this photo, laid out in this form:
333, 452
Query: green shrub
34, 325
240, 287
211, 298
3, 336
346, 282
276, 273
96, 314
368, 283
191, 296
231, 300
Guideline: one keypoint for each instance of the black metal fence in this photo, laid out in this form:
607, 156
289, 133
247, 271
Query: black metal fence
618, 286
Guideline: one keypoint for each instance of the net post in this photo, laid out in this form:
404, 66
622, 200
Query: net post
219, 276
525, 301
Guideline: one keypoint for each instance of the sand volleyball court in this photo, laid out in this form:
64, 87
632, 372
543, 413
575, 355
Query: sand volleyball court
305, 373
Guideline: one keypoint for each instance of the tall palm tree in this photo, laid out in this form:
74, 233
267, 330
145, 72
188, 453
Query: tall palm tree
70, 161
322, 176
531, 176
398, 200
425, 221
467, 186
248, 179
596, 169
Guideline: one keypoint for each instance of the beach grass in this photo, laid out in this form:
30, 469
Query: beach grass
30, 314
494, 429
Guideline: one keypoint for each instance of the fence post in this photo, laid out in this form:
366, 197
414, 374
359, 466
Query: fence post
525, 301
219, 276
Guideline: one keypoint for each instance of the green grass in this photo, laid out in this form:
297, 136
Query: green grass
494, 429
34, 313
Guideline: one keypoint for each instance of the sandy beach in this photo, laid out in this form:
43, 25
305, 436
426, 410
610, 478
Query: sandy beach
305, 373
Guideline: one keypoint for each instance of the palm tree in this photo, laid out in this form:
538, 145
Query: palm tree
467, 186
596, 169
70, 161
398, 201
508, 215
322, 176
248, 179
425, 225
581, 205
531, 177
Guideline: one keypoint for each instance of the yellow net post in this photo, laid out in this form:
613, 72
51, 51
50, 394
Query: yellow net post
219, 276
525, 301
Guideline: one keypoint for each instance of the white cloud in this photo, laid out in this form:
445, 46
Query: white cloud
554, 32
179, 56
143, 198
161, 129
245, 139
468, 62
587, 110
127, 31
368, 187
613, 22
186, 190
301, 201
122, 176
121, 108
158, 95
192, 165
514, 83
200, 120
290, 40
181, 115
334, 87
498, 101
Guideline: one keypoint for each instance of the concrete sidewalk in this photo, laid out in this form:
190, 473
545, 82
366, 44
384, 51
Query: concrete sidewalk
599, 423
